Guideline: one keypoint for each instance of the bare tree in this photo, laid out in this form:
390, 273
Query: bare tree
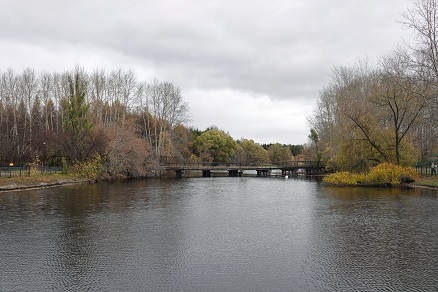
358, 126
45, 93
29, 89
402, 97
98, 88
421, 57
163, 109
60, 91
11, 98
128, 84
115, 93
422, 54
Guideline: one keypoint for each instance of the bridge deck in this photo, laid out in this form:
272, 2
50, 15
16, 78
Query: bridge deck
310, 167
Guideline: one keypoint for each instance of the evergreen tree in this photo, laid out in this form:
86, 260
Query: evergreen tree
76, 119
77, 124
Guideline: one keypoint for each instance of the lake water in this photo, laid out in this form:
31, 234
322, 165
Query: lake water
218, 234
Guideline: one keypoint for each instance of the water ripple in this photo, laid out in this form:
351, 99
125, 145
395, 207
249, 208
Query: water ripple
218, 234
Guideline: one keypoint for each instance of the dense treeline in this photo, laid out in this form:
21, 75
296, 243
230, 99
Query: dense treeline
74, 115
113, 119
370, 114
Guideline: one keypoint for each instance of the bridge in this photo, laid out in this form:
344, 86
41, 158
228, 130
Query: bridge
306, 167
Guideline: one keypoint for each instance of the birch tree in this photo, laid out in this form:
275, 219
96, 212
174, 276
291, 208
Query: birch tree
45, 94
11, 98
29, 88
98, 84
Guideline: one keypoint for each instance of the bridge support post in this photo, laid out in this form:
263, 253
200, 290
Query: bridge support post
179, 173
233, 172
262, 172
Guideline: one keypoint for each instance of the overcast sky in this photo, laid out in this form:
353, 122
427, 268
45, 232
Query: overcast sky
252, 68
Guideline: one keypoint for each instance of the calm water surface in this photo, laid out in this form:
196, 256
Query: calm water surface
218, 234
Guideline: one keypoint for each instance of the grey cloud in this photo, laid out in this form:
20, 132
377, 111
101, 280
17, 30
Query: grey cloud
283, 49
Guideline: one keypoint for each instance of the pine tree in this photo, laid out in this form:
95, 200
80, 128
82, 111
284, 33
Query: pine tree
76, 124
77, 119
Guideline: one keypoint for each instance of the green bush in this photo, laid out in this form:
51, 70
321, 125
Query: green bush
384, 174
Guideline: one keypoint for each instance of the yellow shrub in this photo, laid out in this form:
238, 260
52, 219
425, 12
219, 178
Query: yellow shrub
384, 174
91, 170
341, 178
389, 174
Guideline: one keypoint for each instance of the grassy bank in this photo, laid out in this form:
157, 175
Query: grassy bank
37, 181
427, 181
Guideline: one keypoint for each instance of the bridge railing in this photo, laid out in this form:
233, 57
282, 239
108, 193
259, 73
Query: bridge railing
301, 163
286, 164
199, 164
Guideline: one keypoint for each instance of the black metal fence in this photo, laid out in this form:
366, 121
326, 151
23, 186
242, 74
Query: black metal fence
16, 171
13, 171
425, 170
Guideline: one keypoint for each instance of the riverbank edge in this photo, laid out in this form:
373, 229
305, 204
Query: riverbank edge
47, 181
8, 184
37, 182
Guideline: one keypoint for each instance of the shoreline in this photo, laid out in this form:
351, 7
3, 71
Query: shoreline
36, 182
48, 181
